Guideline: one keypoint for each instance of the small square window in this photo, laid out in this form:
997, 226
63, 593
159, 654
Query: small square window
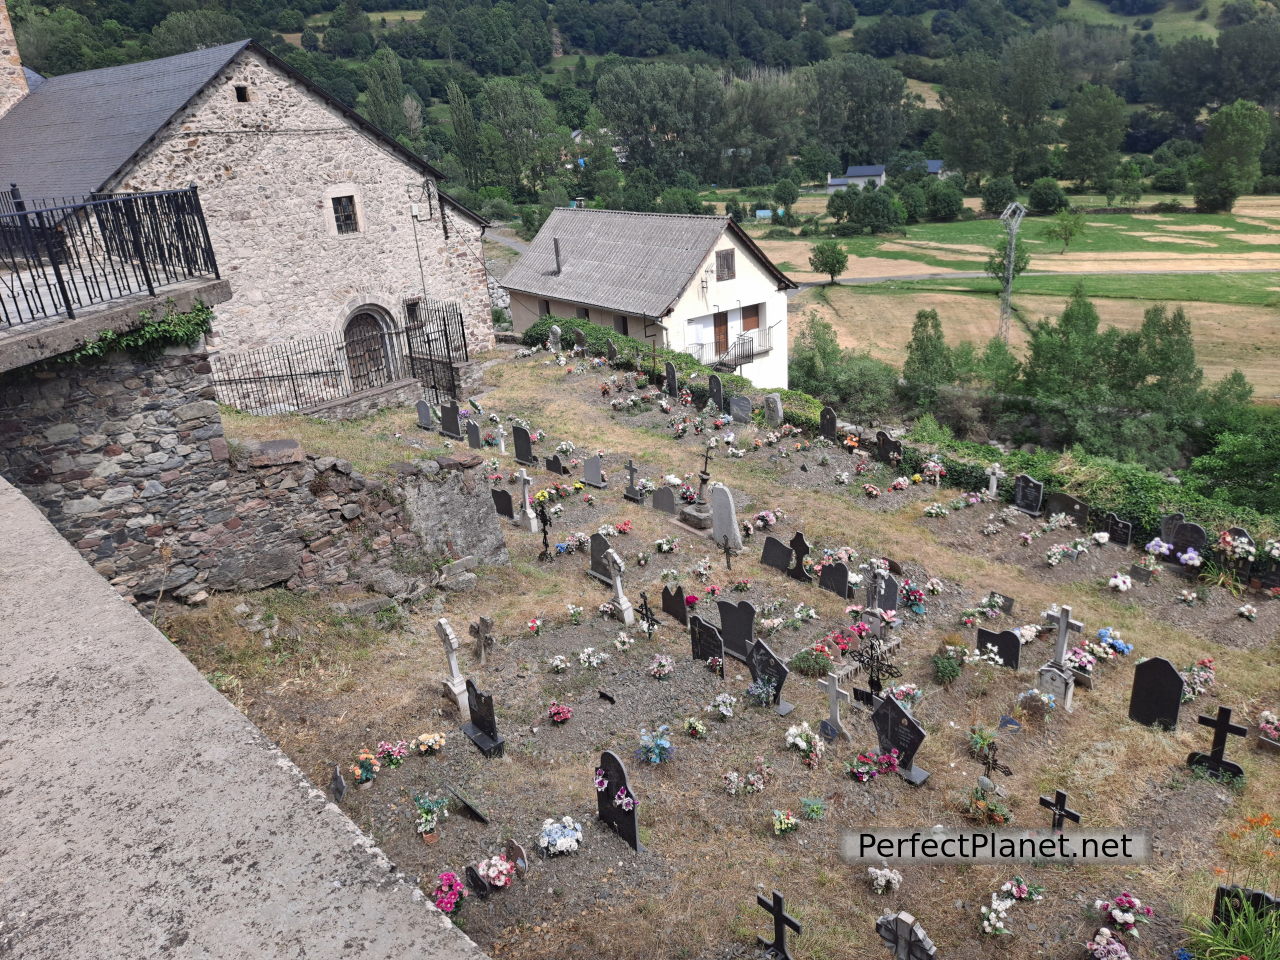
724, 265
344, 215
242, 94
584, 313
413, 314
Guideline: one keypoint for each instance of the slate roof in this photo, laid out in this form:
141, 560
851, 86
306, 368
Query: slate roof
635, 263
874, 170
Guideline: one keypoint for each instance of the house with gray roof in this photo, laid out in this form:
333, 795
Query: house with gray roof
859, 176
696, 284
324, 224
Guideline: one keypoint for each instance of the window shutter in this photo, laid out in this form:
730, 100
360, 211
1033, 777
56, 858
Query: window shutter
751, 318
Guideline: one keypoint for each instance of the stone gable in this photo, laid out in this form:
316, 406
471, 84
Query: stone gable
267, 170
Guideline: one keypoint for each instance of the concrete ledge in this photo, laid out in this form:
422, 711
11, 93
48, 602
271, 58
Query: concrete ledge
145, 816
39, 340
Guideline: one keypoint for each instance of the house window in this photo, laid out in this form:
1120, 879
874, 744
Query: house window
344, 215
751, 318
619, 324
413, 314
544, 308
242, 93
584, 313
724, 265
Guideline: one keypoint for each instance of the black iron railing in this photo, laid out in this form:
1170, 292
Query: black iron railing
60, 256
299, 376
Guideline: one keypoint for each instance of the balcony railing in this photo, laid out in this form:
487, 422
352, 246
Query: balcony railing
740, 352
60, 256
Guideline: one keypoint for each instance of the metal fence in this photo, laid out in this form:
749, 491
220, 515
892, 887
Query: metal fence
60, 256
298, 376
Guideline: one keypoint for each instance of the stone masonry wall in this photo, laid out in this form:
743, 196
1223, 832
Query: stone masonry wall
128, 460
13, 82
267, 171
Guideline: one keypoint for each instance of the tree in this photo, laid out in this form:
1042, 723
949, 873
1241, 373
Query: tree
466, 135
929, 363
840, 205
1171, 378
1064, 227
996, 260
786, 193
680, 200
1029, 82
310, 40
1231, 164
828, 257
411, 107
970, 120
858, 384
997, 194
914, 205
523, 146
942, 201
1243, 468
1130, 183
384, 92
857, 107
875, 211
188, 30
1046, 196
1093, 128
290, 20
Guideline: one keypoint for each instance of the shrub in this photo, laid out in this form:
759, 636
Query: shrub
998, 193
946, 670
942, 201
1046, 196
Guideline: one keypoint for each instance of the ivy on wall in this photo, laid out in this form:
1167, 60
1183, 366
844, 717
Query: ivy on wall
147, 340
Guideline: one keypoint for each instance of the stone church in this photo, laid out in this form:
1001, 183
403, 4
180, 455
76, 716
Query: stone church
322, 223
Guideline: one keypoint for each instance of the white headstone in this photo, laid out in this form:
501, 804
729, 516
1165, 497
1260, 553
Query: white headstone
456, 684
526, 519
724, 518
622, 606
994, 476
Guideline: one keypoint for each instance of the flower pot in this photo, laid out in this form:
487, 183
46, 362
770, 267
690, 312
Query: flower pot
1267, 744
430, 837
364, 784
1083, 680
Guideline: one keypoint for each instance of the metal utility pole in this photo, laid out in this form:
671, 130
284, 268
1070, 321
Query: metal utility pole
1012, 218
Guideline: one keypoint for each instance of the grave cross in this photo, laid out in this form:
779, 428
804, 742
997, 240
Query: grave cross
800, 548
1066, 626
781, 921
544, 518
991, 761
728, 553
482, 633
1215, 760
647, 619
1060, 810
833, 727
905, 937
875, 660
528, 519
455, 684
632, 492
994, 476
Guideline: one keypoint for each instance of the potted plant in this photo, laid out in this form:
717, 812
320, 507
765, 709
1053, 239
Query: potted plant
559, 713
560, 836
449, 893
430, 813
365, 769
428, 744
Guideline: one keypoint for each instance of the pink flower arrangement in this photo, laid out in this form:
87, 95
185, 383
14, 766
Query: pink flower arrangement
713, 591
497, 870
448, 893
559, 712
1124, 912
691, 600
624, 526
871, 490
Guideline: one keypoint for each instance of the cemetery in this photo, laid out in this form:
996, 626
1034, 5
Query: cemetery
723, 640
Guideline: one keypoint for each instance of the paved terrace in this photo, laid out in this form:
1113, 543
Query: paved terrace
144, 816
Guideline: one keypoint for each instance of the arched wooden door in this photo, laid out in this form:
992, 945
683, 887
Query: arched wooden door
366, 351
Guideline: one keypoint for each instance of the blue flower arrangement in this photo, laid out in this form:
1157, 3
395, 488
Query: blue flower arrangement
1112, 639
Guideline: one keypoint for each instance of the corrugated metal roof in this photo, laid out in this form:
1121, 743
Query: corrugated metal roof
874, 170
73, 132
634, 263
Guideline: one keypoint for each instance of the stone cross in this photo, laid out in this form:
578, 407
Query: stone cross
1066, 626
502, 440
777, 949
994, 476
482, 632
621, 604
991, 761
632, 492
456, 684
833, 726
526, 518
1060, 810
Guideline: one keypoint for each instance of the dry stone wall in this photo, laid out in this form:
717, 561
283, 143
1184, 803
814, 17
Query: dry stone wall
128, 460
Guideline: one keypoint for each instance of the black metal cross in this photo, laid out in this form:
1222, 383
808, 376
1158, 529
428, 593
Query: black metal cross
1215, 760
647, 618
874, 660
781, 921
1060, 810
991, 762
706, 459
544, 520
728, 554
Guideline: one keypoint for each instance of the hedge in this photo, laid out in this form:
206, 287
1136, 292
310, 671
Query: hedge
1130, 491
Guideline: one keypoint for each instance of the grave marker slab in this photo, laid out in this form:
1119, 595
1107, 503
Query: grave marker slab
482, 729
898, 730
740, 409
671, 386
827, 424
454, 684
473, 436
337, 785
773, 413
705, 641
1077, 510
737, 627
799, 549
632, 492
905, 937
775, 554
579, 340
765, 665
1230, 899
593, 471
554, 465
599, 564
524, 446
449, 423
1007, 644
715, 392
1028, 494
478, 884
1156, 698
526, 519
426, 415
503, 504
1005, 603
622, 608
724, 519
832, 726
673, 605
612, 351
994, 475
834, 578
611, 812
1119, 532
1169, 526
555, 337
1188, 535
1139, 574
664, 499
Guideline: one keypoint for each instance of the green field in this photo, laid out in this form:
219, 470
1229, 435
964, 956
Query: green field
1170, 24
1254, 289
321, 20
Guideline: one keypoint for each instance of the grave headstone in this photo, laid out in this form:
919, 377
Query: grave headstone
737, 627
426, 415
883, 592
1007, 643
526, 518
593, 471
905, 937
775, 554
468, 805
765, 665
833, 727
449, 421
897, 730
894, 566
705, 641
473, 436
673, 605
664, 499
599, 564
482, 729
1028, 494
1228, 900
554, 465
715, 392
502, 503
612, 351
672, 385
1156, 698
1215, 762
524, 446
1139, 574
827, 423
610, 797
454, 684
777, 948
724, 519
632, 492
1077, 510
994, 475
888, 450
834, 577
579, 340
1005, 603
740, 408
1055, 678
502, 440
337, 785
1188, 535
515, 853
478, 884
773, 409
799, 549
622, 608
1169, 526
555, 337
1061, 812
481, 632
1119, 532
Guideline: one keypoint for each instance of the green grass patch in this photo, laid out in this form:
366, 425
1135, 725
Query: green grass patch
1170, 24
1240, 288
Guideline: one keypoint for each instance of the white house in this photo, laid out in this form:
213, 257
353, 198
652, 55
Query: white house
690, 283
859, 177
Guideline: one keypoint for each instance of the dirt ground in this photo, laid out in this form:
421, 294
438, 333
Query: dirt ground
692, 894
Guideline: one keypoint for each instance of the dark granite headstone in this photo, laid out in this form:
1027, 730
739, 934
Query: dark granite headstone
764, 664
664, 499
337, 785
621, 821
503, 503
904, 936
715, 392
482, 728
888, 450
1007, 645
705, 641
740, 409
473, 436
673, 605
449, 422
1157, 694
599, 565
1119, 532
827, 423
1231, 899
478, 884
468, 804
883, 592
426, 415
1169, 526
1139, 574
1005, 603
672, 385
593, 471
1028, 494
1188, 535
776, 554
835, 578
737, 627
799, 549
894, 566
524, 446
897, 730
555, 466
1077, 510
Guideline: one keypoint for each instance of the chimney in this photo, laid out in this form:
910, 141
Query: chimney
555, 243
13, 82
